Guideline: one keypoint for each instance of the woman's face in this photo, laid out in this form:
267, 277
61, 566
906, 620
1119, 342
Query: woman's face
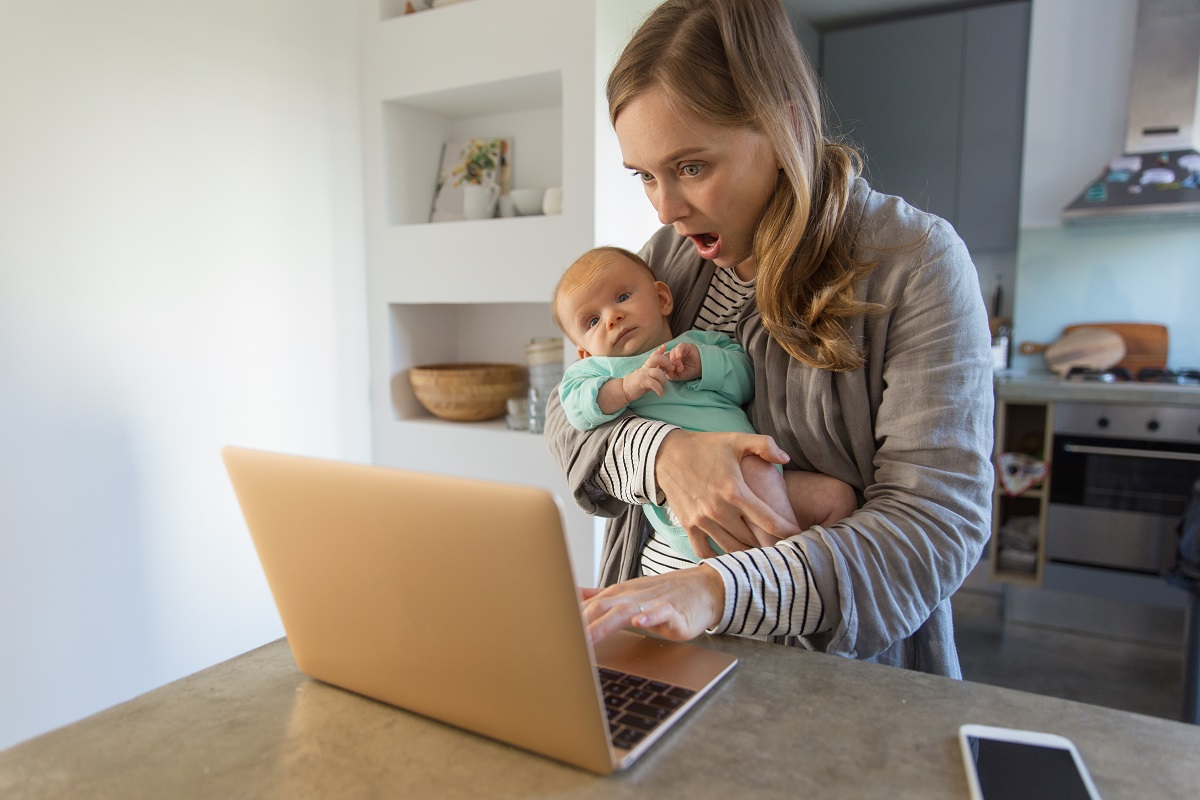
712, 182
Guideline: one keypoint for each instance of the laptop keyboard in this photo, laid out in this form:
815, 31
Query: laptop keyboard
636, 705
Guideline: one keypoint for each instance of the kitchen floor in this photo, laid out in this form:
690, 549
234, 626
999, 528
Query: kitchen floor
1116, 673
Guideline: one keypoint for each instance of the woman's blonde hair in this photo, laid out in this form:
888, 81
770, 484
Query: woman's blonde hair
738, 63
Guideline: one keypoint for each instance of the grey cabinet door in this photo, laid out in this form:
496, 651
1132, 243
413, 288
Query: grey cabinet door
895, 90
937, 103
993, 125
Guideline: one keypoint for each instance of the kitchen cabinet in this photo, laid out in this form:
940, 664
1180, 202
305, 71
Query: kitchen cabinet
937, 102
1021, 427
532, 71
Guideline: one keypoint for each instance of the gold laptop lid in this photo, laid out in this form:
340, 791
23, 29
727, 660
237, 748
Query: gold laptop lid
446, 596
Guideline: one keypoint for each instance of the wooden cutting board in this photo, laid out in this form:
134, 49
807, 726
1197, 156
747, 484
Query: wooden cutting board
1087, 347
1146, 344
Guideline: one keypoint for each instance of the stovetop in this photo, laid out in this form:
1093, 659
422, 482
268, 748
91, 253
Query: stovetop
1181, 388
1177, 377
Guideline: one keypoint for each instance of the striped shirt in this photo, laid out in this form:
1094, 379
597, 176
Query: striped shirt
628, 474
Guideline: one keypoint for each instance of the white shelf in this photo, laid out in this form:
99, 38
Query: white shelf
526, 110
440, 333
532, 71
451, 49
438, 427
474, 261
523, 93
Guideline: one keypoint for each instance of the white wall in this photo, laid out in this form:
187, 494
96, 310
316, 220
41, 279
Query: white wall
180, 268
1080, 63
624, 216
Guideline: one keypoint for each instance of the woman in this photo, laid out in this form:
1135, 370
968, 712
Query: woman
865, 324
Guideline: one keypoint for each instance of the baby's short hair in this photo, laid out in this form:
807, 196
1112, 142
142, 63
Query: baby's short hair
583, 266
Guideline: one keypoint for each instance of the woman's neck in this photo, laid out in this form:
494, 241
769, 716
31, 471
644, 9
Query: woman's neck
746, 270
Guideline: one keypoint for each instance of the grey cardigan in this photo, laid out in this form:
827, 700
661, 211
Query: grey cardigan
911, 430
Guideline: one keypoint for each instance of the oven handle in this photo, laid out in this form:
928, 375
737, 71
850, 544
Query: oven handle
1088, 449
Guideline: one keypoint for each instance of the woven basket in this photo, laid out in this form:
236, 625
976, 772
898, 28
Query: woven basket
467, 392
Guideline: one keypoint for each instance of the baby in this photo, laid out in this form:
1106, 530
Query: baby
611, 306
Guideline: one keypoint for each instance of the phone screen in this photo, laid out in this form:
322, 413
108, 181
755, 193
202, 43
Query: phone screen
1021, 771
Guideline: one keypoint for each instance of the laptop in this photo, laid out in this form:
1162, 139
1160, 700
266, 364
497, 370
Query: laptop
454, 598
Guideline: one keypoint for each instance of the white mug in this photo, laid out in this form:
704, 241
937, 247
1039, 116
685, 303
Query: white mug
552, 201
508, 206
479, 202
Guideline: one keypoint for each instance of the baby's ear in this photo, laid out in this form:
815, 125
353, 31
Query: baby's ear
665, 301
582, 353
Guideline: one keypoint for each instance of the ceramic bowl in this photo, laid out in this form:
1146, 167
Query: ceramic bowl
528, 201
467, 392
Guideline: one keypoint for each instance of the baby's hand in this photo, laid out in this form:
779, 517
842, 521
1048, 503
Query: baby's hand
650, 377
684, 361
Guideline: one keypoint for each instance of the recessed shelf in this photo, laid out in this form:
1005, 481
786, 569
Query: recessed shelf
1024, 429
391, 9
526, 110
1021, 428
388, 9
429, 333
1020, 578
479, 290
1028, 494
513, 260
524, 93
496, 426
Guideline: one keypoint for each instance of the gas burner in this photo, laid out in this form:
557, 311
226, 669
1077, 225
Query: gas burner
1113, 375
1177, 377
1181, 377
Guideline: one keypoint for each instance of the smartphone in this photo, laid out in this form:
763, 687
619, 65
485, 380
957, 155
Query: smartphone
1010, 764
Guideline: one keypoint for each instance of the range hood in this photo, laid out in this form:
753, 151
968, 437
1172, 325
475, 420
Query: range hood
1158, 175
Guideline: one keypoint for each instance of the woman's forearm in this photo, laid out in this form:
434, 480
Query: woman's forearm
769, 592
609, 467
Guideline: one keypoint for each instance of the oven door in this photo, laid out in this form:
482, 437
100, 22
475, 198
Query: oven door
1116, 502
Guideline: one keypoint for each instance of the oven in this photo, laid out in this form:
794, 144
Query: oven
1120, 476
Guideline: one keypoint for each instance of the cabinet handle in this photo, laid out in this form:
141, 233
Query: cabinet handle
1087, 449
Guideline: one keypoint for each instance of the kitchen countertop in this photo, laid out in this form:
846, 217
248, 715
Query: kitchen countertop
1041, 387
786, 723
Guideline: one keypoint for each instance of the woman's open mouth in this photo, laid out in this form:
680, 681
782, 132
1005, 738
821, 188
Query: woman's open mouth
708, 245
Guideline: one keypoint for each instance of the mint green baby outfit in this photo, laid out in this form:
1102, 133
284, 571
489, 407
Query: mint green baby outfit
712, 402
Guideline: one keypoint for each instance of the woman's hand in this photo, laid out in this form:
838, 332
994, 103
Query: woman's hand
701, 476
677, 605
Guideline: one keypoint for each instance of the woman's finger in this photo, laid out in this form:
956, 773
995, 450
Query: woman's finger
731, 524
758, 513
701, 476
732, 535
609, 612
765, 448
677, 605
700, 543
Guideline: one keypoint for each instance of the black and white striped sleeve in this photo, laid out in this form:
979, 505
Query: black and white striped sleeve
769, 592
628, 469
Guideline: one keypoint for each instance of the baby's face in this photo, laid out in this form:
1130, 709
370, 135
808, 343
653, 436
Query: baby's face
617, 309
